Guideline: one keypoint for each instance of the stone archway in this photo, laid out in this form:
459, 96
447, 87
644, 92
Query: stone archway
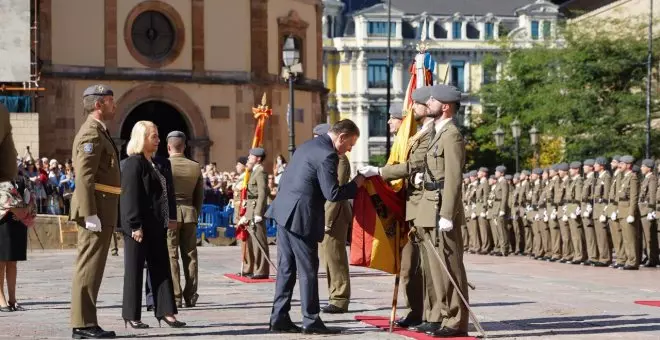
199, 138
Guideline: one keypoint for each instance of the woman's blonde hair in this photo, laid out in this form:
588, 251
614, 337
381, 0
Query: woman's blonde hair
138, 137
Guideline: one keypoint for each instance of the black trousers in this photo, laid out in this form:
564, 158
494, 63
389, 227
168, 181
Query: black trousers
153, 249
296, 255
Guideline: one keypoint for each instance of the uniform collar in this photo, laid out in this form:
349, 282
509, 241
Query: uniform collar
590, 175
483, 180
100, 122
439, 124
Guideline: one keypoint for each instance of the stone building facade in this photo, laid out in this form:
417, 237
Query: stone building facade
199, 66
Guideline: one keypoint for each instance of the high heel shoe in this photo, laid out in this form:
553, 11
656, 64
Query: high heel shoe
15, 307
173, 324
137, 324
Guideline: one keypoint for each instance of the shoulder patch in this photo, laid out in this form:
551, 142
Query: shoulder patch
88, 147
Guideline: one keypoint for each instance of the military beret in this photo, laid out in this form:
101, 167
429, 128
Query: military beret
635, 168
177, 134
259, 152
445, 93
483, 169
321, 129
525, 172
501, 169
616, 158
628, 159
589, 162
538, 171
473, 173
396, 110
601, 160
508, 177
553, 167
243, 160
576, 165
516, 176
421, 95
492, 177
648, 163
562, 167
98, 90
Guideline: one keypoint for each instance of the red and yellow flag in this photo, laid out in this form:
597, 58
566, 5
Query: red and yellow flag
379, 228
261, 113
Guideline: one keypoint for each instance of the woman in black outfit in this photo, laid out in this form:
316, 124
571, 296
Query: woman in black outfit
145, 215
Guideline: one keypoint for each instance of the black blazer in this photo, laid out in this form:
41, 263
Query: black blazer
141, 191
308, 181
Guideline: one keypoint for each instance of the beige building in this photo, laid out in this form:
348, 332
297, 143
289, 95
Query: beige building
199, 66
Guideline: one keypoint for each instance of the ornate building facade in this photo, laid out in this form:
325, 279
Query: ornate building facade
458, 34
193, 65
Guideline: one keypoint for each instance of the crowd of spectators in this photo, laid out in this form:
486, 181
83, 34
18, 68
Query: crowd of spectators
54, 182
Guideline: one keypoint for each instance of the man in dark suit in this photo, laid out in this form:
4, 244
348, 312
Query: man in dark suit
298, 209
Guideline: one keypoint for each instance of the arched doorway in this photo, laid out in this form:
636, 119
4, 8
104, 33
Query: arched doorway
164, 115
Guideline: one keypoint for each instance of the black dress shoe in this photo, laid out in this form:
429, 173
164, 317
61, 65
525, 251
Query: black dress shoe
407, 322
95, 332
447, 333
576, 262
244, 274
598, 264
290, 328
259, 277
321, 329
426, 327
193, 301
150, 308
332, 309
650, 265
629, 267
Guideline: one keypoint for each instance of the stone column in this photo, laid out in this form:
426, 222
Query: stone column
324, 25
397, 75
361, 72
360, 154
467, 73
200, 150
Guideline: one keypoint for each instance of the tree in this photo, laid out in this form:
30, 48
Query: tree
586, 90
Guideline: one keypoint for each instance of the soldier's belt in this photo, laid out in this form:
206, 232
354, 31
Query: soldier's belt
108, 189
431, 186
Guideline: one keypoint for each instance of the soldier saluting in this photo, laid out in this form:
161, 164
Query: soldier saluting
94, 207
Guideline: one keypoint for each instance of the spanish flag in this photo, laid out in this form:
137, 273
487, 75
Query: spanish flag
379, 228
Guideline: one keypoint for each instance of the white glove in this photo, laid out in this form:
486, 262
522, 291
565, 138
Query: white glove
602, 218
473, 216
258, 219
369, 171
563, 208
528, 208
589, 208
501, 213
573, 216
536, 217
651, 216
578, 211
630, 219
613, 216
564, 218
92, 223
243, 221
483, 215
586, 214
419, 178
545, 217
445, 224
553, 215
474, 206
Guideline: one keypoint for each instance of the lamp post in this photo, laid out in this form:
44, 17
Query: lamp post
515, 131
499, 137
534, 142
291, 59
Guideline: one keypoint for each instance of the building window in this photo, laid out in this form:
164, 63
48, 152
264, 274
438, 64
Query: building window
547, 29
379, 29
490, 30
471, 31
439, 31
154, 33
458, 74
490, 73
378, 121
457, 28
377, 74
535, 30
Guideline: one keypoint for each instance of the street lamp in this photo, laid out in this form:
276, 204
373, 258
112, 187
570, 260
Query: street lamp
499, 137
515, 131
292, 66
534, 142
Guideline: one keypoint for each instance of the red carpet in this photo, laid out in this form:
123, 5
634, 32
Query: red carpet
384, 324
649, 303
247, 279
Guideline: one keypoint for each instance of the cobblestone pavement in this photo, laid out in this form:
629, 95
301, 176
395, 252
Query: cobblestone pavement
516, 298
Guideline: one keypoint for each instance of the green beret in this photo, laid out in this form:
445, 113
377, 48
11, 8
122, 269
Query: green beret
508, 177
525, 172
259, 152
576, 165
98, 90
501, 169
538, 171
445, 93
473, 173
483, 169
589, 162
648, 163
616, 158
421, 95
628, 159
396, 110
562, 167
601, 160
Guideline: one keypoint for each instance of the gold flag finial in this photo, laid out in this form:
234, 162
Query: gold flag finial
263, 99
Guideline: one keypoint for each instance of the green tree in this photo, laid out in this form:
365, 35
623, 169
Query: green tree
587, 91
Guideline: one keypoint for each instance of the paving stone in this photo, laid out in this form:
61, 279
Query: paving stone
516, 298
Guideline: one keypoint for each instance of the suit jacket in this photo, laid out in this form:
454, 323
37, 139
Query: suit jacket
307, 182
141, 195
340, 212
188, 188
8, 169
96, 161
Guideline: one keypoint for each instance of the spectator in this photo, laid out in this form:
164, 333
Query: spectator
278, 168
